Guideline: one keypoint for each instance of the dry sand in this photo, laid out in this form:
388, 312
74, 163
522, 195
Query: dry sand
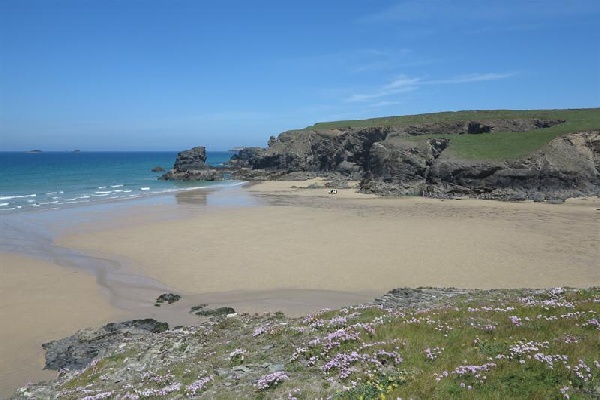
42, 302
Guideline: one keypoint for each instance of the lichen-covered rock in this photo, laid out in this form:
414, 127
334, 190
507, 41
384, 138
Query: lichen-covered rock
77, 351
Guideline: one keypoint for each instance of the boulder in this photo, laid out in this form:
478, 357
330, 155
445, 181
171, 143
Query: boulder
77, 351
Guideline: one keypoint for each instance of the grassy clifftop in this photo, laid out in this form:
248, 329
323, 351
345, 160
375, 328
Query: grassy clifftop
489, 146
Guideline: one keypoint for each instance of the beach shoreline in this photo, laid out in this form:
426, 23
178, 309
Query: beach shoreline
282, 246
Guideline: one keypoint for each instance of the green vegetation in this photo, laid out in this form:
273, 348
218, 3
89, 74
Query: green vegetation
489, 146
484, 345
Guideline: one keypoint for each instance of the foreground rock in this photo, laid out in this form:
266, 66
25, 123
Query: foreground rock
77, 351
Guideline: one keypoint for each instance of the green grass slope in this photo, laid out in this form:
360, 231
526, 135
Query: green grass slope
489, 146
484, 345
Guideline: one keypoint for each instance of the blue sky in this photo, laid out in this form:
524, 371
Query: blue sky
171, 74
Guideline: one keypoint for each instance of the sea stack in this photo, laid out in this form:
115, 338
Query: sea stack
190, 165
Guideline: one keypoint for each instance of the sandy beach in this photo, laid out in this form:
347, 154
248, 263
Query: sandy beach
351, 242
292, 249
41, 302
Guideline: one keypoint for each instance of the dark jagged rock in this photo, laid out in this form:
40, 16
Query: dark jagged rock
77, 351
158, 169
190, 165
192, 159
169, 298
242, 158
318, 152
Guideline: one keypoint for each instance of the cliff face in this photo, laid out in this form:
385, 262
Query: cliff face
324, 151
568, 166
348, 150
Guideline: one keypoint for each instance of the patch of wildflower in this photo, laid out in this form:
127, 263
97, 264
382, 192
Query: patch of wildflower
515, 320
99, 396
433, 354
564, 390
152, 377
473, 369
343, 362
582, 371
440, 376
164, 391
592, 322
556, 300
490, 309
570, 339
477, 372
348, 363
368, 327
260, 330
550, 359
198, 385
485, 326
337, 321
271, 380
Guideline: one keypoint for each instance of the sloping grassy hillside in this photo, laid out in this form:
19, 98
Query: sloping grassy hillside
489, 146
483, 345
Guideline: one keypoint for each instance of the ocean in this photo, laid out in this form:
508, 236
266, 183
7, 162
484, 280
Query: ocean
55, 180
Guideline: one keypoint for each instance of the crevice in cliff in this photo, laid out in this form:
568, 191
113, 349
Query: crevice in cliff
437, 146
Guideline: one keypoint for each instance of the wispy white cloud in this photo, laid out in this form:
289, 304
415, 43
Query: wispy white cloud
401, 84
478, 77
404, 84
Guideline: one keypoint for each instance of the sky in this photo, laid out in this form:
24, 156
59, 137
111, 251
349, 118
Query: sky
172, 74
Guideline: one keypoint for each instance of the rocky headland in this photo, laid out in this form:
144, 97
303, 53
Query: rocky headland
422, 158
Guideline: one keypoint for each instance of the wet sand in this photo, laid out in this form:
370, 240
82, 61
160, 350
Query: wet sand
279, 246
42, 302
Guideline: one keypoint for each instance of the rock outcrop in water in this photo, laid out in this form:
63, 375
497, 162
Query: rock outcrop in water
191, 165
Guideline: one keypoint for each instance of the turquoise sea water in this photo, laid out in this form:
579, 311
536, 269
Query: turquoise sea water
56, 180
